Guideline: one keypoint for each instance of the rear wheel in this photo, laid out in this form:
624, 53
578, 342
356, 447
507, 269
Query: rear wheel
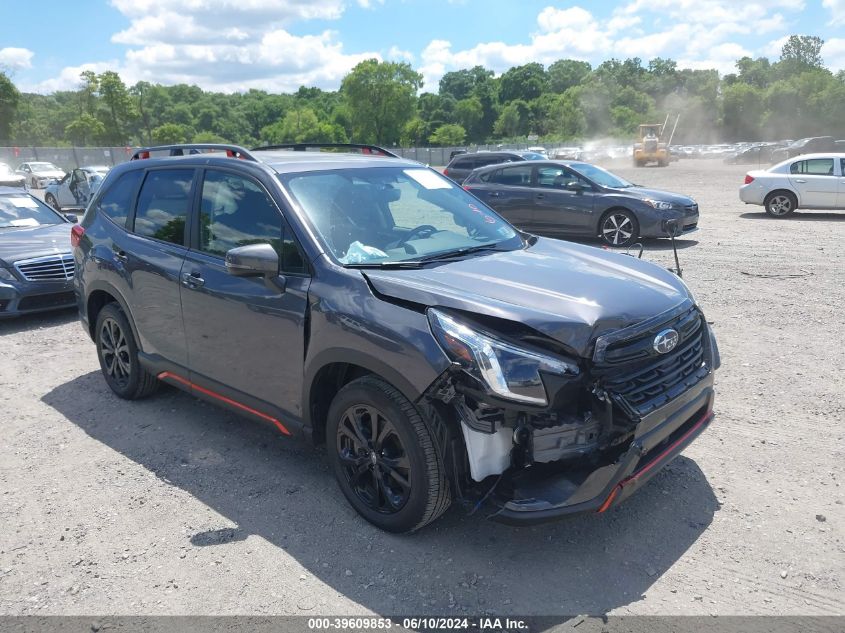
384, 457
49, 199
779, 204
619, 227
118, 355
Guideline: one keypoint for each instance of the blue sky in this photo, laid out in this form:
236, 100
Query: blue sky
277, 45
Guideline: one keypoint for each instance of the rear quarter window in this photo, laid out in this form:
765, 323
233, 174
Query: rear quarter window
117, 199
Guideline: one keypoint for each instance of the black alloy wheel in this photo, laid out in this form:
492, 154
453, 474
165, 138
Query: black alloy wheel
385, 456
117, 352
374, 460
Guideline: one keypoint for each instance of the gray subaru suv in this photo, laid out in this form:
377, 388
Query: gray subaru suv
356, 299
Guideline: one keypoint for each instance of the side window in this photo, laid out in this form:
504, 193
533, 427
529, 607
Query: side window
163, 205
559, 178
465, 163
842, 166
291, 258
236, 211
519, 176
117, 200
813, 167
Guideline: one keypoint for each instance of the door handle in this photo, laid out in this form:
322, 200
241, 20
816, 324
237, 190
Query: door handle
800, 180
540, 196
120, 255
495, 194
192, 280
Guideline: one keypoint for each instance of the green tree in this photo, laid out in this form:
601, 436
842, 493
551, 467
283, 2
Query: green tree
566, 73
171, 134
381, 98
9, 101
525, 82
448, 135
469, 113
741, 107
801, 53
119, 104
85, 129
514, 120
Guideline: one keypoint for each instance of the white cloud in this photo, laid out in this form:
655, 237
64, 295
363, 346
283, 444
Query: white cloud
837, 11
397, 54
833, 53
697, 33
15, 58
69, 79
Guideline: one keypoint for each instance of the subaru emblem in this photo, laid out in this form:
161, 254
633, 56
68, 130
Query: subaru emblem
666, 341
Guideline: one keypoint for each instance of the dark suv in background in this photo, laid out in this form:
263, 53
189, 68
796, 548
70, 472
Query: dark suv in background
366, 302
462, 165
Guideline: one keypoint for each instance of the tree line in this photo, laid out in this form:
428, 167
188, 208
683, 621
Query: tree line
384, 103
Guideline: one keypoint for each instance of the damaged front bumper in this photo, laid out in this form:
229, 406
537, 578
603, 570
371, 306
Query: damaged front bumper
538, 494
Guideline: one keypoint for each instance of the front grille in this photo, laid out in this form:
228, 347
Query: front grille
49, 268
46, 302
633, 369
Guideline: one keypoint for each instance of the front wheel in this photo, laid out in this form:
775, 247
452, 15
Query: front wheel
780, 204
384, 457
118, 355
619, 228
49, 199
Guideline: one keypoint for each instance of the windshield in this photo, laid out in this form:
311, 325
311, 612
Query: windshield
43, 167
533, 156
600, 176
380, 215
24, 210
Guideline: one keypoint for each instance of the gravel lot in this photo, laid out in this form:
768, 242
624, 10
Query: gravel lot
172, 506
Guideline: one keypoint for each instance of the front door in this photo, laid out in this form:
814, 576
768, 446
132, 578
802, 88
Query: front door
840, 200
815, 182
245, 335
563, 202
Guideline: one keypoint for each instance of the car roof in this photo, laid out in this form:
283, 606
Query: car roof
532, 163
287, 161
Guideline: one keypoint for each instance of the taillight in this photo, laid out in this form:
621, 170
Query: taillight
445, 172
76, 233
467, 188
749, 179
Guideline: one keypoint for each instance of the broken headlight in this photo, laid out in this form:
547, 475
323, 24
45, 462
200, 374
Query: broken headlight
509, 371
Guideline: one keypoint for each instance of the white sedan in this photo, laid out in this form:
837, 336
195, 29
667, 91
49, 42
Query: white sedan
810, 181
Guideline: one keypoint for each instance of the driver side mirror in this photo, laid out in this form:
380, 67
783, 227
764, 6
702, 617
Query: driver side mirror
574, 185
72, 217
252, 260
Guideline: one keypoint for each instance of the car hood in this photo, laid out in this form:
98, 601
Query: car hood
49, 174
656, 194
12, 178
569, 292
23, 243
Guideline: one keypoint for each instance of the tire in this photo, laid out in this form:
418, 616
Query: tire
33, 183
619, 227
50, 200
397, 482
780, 204
118, 355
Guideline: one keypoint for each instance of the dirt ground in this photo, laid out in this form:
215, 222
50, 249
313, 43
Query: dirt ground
172, 506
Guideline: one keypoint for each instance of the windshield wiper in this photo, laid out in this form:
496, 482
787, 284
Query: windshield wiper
460, 252
397, 264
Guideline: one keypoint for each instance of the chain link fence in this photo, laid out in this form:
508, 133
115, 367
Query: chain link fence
65, 157
72, 157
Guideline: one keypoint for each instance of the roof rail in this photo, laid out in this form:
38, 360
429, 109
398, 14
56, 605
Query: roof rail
232, 151
302, 147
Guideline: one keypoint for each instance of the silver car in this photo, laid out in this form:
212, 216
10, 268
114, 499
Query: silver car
38, 174
76, 188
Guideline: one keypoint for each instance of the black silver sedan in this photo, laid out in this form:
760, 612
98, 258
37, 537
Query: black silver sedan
36, 264
572, 198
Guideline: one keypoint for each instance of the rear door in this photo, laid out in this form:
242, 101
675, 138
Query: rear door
815, 182
508, 190
246, 335
153, 255
563, 202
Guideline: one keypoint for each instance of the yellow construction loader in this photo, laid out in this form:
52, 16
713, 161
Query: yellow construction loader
653, 146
